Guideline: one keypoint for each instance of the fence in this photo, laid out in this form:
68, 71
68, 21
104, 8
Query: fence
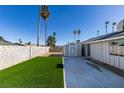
11, 55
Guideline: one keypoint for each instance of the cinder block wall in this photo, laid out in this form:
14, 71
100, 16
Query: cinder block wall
11, 55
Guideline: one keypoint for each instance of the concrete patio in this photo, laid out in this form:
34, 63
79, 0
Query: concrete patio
81, 73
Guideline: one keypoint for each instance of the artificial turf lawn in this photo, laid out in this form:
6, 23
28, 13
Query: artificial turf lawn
39, 72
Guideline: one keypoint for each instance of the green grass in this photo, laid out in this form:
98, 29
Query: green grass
39, 72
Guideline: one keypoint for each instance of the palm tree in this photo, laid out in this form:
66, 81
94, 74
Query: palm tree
29, 43
97, 33
78, 32
38, 34
113, 26
74, 34
54, 34
106, 25
45, 14
20, 41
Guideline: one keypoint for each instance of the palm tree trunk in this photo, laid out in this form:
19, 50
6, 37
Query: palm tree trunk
74, 38
97, 33
106, 28
78, 36
113, 28
45, 31
38, 34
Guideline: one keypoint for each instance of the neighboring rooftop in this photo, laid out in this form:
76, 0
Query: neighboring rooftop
5, 42
19, 44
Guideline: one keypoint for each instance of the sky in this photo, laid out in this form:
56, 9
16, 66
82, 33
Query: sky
22, 22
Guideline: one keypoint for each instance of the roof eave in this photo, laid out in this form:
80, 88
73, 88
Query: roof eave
103, 40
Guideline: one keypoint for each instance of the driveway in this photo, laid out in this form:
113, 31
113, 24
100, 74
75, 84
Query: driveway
82, 73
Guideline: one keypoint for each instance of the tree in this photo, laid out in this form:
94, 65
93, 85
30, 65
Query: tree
106, 25
97, 33
74, 34
113, 26
54, 34
38, 34
51, 41
20, 41
45, 14
29, 43
78, 32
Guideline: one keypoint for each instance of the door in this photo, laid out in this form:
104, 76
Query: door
88, 50
73, 51
83, 50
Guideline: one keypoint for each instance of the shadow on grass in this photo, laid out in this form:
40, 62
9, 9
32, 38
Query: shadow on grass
55, 55
59, 66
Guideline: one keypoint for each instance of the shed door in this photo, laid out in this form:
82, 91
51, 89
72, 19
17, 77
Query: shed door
73, 51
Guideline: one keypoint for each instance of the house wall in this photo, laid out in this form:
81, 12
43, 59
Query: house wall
11, 55
100, 52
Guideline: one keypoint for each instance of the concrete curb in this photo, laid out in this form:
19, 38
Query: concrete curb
64, 73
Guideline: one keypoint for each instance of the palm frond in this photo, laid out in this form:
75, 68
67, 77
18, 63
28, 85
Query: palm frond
79, 32
107, 22
74, 32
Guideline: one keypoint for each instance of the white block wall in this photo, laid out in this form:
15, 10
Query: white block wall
100, 52
11, 55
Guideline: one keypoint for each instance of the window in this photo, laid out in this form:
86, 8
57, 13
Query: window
121, 47
121, 42
117, 47
114, 47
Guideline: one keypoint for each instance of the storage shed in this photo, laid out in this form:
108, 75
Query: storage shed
72, 49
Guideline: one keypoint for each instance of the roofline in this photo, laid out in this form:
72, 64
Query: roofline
97, 41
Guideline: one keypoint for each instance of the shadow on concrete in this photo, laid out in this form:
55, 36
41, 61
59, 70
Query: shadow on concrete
111, 68
95, 67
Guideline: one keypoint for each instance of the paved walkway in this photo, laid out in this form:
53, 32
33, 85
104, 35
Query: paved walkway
81, 73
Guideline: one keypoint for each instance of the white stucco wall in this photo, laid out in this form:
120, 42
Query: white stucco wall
11, 55
100, 52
